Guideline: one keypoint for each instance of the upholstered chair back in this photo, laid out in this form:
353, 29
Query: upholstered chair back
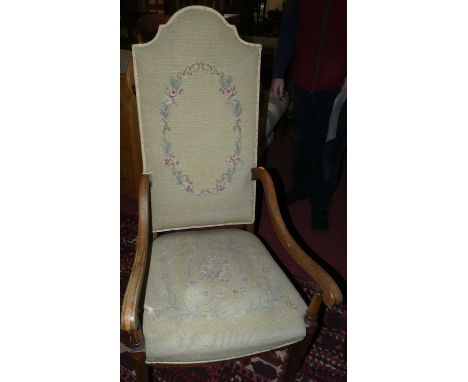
197, 86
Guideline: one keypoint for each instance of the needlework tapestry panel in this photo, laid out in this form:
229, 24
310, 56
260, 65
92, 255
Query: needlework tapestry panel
197, 89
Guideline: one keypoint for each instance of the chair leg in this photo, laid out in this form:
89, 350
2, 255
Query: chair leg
144, 373
297, 354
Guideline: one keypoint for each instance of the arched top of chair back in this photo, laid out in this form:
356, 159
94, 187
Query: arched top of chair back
197, 87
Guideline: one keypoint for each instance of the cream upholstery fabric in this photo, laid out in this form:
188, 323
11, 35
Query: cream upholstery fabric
217, 294
197, 90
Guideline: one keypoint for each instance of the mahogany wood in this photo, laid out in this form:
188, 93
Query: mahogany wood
299, 350
129, 312
147, 26
331, 292
143, 372
314, 306
250, 228
130, 77
131, 164
297, 354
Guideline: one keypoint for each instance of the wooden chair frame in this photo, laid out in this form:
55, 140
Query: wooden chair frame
328, 292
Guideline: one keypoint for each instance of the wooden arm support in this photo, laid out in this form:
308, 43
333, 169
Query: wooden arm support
129, 312
330, 293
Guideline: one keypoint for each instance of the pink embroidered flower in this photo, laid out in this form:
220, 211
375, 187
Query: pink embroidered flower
234, 158
189, 188
171, 160
173, 92
229, 92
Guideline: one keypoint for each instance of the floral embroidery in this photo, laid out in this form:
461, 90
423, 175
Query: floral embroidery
173, 90
171, 306
215, 269
267, 300
217, 274
229, 90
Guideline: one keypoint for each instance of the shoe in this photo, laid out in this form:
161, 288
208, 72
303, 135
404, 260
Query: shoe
320, 220
293, 196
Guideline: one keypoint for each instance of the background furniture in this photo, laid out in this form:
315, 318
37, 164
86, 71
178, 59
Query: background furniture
147, 26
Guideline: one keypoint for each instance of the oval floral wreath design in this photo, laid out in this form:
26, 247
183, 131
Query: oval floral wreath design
173, 90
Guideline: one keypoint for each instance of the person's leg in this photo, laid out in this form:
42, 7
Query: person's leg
333, 155
303, 156
312, 112
322, 108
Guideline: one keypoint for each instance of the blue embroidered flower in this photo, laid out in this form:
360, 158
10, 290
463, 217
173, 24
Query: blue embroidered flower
233, 160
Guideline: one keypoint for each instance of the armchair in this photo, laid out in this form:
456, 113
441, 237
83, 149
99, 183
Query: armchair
203, 287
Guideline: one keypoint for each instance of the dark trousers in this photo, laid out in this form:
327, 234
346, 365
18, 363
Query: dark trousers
316, 163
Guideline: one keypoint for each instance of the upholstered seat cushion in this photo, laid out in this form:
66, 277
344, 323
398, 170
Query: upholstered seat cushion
217, 294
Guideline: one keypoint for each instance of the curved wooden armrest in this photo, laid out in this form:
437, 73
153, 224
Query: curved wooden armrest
331, 293
129, 312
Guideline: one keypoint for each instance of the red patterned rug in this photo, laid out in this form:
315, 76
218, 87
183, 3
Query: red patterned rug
326, 361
